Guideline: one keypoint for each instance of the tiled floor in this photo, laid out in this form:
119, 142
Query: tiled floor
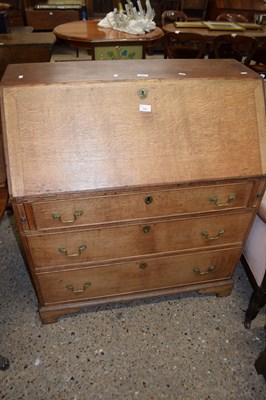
186, 347
64, 53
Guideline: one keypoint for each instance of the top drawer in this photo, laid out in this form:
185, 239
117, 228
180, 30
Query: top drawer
139, 205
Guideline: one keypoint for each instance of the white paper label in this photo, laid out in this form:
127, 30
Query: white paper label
145, 107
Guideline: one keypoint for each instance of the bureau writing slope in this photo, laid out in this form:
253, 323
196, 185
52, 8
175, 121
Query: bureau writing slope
132, 179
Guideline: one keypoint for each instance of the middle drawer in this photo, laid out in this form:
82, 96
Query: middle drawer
134, 240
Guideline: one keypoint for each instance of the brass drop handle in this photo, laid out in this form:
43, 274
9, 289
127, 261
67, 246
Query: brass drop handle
85, 286
206, 235
197, 271
231, 198
63, 250
76, 214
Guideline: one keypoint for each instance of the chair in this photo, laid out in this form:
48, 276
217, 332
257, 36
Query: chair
258, 61
98, 9
254, 262
260, 19
241, 48
260, 363
169, 5
173, 15
184, 45
231, 17
4, 363
194, 9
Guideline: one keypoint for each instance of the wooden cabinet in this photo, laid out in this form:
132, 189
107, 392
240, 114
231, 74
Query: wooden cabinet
23, 46
45, 16
248, 8
46, 20
133, 180
15, 15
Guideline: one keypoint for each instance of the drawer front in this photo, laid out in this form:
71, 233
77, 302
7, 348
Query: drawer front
123, 207
137, 276
113, 243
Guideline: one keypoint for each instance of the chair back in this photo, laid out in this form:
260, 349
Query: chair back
258, 61
169, 5
194, 9
241, 48
260, 54
231, 17
97, 9
173, 15
184, 45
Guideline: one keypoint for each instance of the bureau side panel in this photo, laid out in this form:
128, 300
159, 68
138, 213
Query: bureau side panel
261, 117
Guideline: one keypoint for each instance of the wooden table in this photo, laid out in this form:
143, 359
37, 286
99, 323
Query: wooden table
258, 34
23, 46
106, 43
20, 46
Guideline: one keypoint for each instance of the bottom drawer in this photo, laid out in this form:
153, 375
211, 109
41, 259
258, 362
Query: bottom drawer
132, 277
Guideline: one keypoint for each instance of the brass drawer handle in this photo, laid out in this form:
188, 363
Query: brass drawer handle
197, 271
76, 214
85, 286
143, 265
146, 229
231, 198
206, 235
63, 250
148, 199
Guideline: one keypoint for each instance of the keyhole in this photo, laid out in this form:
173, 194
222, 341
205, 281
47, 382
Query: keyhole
148, 200
143, 93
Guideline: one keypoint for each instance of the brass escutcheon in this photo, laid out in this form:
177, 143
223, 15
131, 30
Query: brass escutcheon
148, 199
143, 93
146, 229
143, 265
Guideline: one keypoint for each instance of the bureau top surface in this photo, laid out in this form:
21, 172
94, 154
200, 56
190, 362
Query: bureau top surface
96, 125
117, 70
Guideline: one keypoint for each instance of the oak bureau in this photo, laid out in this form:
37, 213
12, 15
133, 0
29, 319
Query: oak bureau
132, 179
